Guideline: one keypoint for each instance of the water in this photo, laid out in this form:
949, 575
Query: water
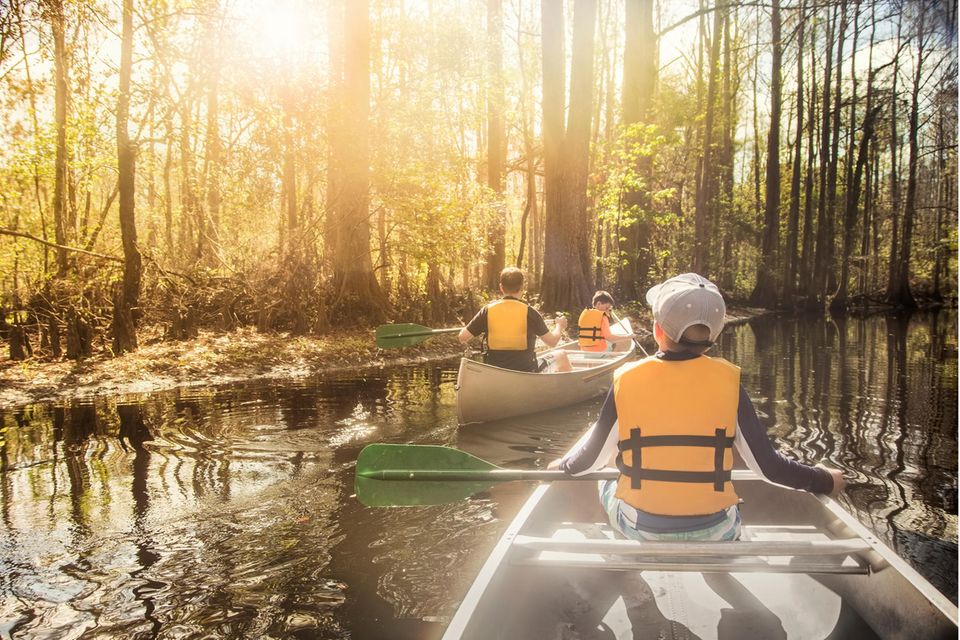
228, 512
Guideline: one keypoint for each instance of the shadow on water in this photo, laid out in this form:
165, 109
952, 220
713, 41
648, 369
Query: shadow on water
228, 512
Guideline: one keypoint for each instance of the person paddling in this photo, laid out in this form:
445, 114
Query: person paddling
512, 328
593, 327
670, 422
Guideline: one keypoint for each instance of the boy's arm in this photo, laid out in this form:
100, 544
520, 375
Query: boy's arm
608, 333
597, 447
552, 337
476, 326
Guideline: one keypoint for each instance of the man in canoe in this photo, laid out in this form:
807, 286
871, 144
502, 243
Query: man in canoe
670, 422
512, 327
593, 327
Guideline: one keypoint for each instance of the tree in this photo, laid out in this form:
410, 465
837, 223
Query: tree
765, 292
900, 293
125, 310
706, 173
566, 260
639, 82
496, 143
61, 95
793, 216
356, 290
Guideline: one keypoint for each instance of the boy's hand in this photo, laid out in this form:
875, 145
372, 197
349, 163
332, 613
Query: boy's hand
562, 323
554, 465
839, 482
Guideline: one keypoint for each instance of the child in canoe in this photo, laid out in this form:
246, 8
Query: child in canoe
670, 422
593, 327
512, 328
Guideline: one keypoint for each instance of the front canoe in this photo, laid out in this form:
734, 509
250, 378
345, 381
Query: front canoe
805, 569
486, 393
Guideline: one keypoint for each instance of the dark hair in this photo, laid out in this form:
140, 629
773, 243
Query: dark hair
511, 279
601, 296
688, 345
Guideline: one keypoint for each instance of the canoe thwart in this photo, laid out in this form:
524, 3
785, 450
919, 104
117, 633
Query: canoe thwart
749, 564
711, 549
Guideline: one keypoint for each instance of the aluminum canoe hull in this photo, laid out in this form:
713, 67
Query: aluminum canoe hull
565, 591
486, 393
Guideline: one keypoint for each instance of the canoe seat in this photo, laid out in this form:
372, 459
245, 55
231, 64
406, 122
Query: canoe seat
762, 549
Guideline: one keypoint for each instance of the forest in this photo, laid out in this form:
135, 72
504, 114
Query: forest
301, 166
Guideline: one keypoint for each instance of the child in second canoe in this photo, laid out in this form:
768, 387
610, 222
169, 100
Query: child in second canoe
593, 327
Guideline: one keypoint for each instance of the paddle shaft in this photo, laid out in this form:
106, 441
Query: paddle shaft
412, 334
500, 475
480, 475
634, 335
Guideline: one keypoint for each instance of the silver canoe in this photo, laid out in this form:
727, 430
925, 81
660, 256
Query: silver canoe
804, 569
486, 392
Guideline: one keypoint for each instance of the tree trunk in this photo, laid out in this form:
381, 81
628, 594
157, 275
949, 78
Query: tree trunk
839, 302
213, 145
496, 144
705, 185
765, 292
793, 217
727, 270
806, 249
125, 311
61, 164
893, 273
639, 82
565, 272
900, 294
289, 177
356, 290
829, 281
868, 209
817, 284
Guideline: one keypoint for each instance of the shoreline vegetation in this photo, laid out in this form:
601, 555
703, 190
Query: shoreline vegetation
224, 357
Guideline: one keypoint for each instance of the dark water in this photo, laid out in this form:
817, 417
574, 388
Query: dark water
228, 512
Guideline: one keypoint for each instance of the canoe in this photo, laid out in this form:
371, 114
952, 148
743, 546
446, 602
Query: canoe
805, 568
486, 392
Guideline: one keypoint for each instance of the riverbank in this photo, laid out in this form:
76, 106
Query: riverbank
215, 358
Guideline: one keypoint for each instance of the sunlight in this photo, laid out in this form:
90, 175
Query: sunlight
278, 30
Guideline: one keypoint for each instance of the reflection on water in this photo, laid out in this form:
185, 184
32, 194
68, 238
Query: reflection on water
228, 512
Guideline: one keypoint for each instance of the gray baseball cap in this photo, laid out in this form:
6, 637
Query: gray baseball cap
686, 300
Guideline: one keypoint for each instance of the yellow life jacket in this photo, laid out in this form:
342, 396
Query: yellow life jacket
507, 325
589, 330
677, 423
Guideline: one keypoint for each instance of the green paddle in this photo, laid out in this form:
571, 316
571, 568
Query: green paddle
392, 336
398, 475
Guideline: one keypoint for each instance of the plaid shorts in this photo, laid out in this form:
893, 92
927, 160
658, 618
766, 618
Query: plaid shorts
725, 530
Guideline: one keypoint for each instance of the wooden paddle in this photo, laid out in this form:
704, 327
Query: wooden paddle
392, 336
402, 475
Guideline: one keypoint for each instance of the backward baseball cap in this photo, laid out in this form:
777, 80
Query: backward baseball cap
684, 301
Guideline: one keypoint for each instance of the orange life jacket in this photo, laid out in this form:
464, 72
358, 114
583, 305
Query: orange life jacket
507, 325
589, 333
677, 423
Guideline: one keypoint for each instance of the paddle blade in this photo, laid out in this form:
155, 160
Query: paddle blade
403, 462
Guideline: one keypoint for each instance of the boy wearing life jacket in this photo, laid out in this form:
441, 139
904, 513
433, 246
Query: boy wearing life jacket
512, 327
670, 422
593, 327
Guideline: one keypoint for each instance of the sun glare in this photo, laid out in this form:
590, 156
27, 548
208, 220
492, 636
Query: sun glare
278, 29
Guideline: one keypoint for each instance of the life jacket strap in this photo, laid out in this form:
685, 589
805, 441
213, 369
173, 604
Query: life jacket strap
588, 333
719, 442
